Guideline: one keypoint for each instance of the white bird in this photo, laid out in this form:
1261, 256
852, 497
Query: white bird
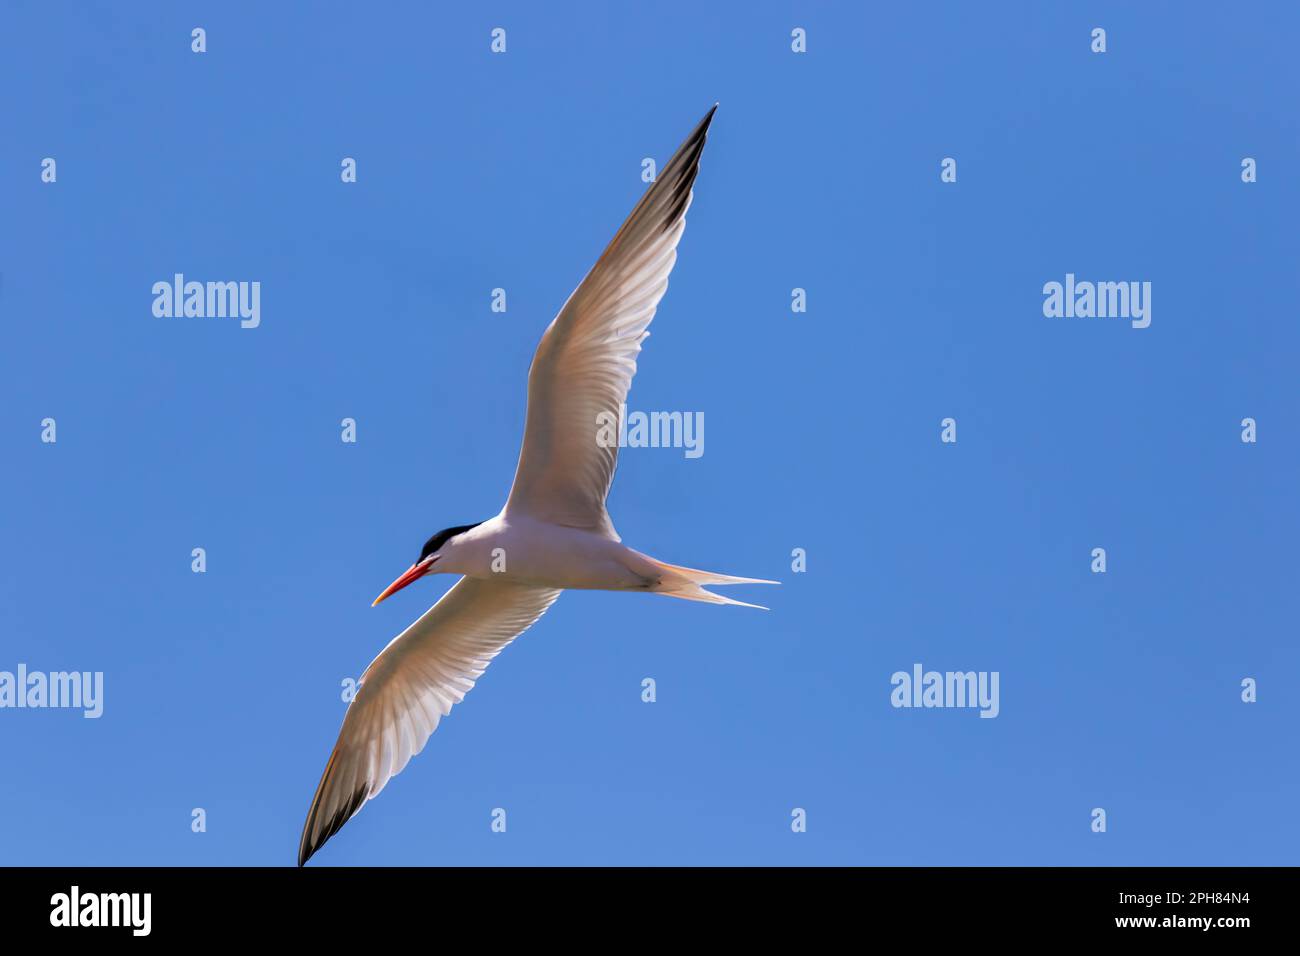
553, 533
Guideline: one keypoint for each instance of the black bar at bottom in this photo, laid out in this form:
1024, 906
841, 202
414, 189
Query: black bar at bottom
334, 905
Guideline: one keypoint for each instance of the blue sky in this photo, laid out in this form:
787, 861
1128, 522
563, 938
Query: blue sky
475, 171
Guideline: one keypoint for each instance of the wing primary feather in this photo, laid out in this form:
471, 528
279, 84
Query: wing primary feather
435, 660
587, 358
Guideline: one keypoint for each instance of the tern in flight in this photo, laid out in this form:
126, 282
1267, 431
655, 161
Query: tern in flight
553, 533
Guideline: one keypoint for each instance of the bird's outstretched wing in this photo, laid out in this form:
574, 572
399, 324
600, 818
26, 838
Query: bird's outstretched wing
406, 690
586, 360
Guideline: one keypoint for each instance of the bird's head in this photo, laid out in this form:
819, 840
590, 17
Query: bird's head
427, 563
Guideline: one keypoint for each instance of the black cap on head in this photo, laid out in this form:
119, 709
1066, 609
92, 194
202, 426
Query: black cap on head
438, 540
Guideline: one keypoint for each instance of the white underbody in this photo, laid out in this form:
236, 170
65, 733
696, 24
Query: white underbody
528, 551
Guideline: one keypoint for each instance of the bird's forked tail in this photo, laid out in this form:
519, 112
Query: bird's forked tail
685, 583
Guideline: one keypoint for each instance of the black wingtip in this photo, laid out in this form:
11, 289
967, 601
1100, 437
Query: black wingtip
702, 127
306, 848
679, 174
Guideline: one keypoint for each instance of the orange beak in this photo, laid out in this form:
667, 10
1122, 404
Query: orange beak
413, 573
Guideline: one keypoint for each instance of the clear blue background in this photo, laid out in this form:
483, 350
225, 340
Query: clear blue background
822, 430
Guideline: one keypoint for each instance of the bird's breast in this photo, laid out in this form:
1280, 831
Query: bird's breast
555, 556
